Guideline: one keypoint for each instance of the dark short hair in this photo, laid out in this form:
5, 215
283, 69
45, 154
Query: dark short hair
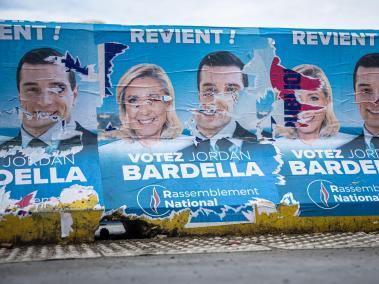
38, 56
368, 60
221, 58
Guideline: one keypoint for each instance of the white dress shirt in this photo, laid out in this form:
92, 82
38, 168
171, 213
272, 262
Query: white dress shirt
52, 136
226, 132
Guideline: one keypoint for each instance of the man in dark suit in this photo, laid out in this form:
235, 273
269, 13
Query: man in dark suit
51, 152
219, 83
366, 87
47, 93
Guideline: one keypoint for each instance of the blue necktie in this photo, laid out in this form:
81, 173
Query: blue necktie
36, 142
224, 145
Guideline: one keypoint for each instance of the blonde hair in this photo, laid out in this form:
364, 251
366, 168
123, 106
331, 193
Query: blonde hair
330, 125
172, 127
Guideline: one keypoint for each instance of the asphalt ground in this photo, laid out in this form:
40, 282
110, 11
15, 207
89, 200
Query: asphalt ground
356, 265
309, 258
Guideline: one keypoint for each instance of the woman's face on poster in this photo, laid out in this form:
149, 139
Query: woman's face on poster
145, 109
312, 120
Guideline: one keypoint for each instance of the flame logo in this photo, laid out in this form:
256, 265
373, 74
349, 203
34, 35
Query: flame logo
150, 200
319, 192
155, 201
324, 195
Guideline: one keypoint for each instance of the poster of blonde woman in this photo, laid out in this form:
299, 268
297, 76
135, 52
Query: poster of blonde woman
224, 130
315, 129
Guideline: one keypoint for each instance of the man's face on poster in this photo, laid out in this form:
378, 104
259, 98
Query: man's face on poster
219, 89
45, 95
367, 96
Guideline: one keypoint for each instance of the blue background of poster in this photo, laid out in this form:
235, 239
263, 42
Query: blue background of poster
180, 61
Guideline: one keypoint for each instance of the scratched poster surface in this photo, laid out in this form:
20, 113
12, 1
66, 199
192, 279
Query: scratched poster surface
228, 123
50, 91
224, 123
